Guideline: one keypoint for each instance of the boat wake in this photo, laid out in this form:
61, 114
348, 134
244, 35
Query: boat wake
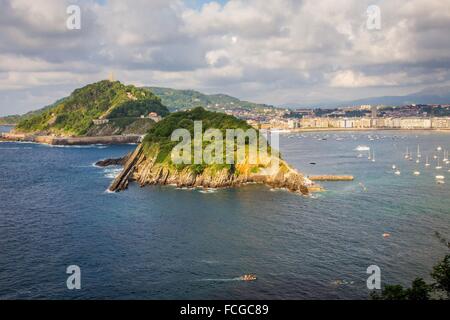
220, 280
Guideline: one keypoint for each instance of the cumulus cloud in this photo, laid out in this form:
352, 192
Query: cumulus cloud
277, 52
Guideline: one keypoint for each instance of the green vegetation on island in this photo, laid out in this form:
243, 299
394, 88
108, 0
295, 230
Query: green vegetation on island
219, 151
158, 138
113, 105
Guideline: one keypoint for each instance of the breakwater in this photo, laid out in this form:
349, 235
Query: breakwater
53, 140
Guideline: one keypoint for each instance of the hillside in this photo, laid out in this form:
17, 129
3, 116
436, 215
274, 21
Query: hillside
151, 162
117, 105
174, 100
189, 99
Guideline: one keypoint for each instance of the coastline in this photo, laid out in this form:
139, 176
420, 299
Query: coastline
71, 141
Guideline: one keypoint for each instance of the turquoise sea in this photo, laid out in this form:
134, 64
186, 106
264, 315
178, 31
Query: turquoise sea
164, 243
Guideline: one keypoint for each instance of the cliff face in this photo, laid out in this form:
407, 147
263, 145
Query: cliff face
145, 170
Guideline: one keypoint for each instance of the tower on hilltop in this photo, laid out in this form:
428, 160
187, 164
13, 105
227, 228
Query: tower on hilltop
111, 76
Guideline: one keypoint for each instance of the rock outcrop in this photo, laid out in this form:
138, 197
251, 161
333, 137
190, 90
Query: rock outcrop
147, 171
151, 163
113, 162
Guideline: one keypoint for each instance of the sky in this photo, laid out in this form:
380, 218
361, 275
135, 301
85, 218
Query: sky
284, 52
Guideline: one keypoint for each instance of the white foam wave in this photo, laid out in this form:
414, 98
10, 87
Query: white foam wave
112, 173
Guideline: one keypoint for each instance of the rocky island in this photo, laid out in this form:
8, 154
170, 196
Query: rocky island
103, 112
151, 163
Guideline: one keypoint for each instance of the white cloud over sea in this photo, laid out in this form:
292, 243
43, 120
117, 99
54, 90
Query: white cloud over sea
277, 52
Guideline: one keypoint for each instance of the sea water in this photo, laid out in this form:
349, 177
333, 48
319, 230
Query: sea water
166, 243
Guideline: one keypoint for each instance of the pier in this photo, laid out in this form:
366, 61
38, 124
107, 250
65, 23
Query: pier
331, 178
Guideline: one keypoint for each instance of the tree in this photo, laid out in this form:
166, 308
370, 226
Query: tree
441, 274
419, 290
390, 292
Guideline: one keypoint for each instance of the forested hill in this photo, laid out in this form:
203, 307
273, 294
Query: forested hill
119, 105
174, 100
188, 99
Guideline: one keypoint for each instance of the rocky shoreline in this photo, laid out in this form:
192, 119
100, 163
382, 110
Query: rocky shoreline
146, 171
68, 141
113, 162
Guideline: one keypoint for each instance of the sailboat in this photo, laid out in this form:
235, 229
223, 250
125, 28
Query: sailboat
418, 154
438, 167
427, 164
407, 153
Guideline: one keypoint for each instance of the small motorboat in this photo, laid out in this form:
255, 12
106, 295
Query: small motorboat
386, 235
248, 277
362, 148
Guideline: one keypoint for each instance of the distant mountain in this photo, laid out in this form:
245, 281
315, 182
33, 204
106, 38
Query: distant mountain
188, 99
435, 95
15, 119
